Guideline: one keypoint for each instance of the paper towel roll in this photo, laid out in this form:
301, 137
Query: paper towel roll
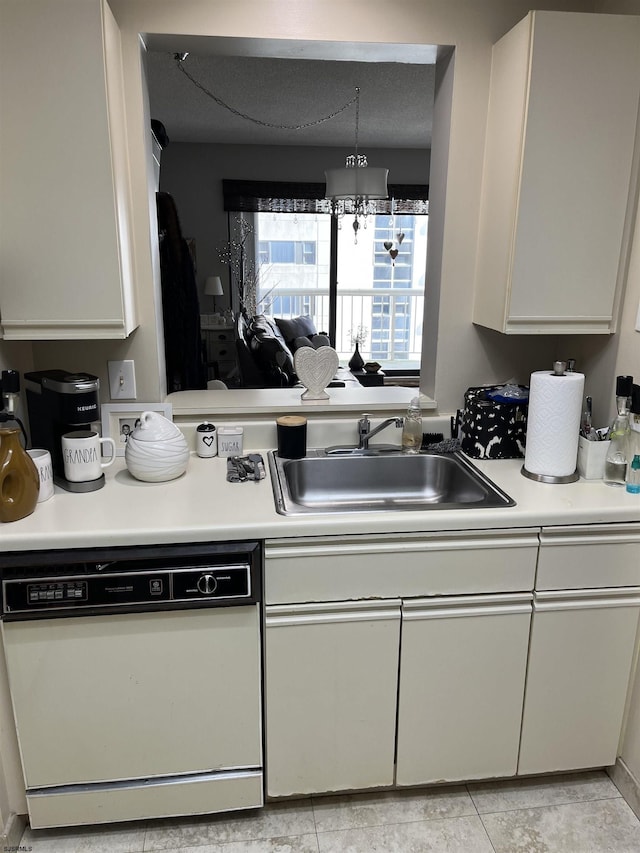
553, 423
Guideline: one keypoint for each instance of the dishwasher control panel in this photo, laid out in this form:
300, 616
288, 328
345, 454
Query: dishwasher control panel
219, 584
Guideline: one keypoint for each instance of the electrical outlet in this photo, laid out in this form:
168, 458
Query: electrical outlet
122, 380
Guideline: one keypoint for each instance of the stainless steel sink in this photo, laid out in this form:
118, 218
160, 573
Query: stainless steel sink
365, 483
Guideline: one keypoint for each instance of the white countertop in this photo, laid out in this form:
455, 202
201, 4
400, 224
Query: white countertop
272, 401
202, 506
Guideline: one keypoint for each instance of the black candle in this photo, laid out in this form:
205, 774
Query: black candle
292, 436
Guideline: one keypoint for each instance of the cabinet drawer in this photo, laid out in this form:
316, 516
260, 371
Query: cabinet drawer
214, 336
220, 352
589, 557
336, 568
226, 367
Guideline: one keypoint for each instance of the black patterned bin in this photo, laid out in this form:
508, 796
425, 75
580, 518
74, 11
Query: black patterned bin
494, 424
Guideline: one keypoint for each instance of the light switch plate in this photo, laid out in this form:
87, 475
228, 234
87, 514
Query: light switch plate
122, 380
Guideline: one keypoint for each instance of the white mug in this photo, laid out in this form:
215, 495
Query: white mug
81, 455
42, 461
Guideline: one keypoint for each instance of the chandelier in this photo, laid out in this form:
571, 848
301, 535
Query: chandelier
354, 190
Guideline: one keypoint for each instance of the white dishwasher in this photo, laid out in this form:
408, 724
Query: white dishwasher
135, 679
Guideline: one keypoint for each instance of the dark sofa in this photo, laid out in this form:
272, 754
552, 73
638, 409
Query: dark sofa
266, 345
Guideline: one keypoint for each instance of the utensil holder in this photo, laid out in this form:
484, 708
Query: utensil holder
591, 456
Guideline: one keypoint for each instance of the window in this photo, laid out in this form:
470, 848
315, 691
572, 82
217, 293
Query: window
286, 252
306, 263
380, 293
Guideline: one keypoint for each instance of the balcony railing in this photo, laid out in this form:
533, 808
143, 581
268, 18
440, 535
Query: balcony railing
392, 317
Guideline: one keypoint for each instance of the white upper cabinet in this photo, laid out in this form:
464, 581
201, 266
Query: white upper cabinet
561, 132
65, 251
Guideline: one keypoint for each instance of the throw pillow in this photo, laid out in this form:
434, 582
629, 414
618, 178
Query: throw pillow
299, 327
315, 341
320, 340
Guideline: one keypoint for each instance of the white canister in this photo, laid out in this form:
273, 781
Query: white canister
206, 440
230, 441
156, 450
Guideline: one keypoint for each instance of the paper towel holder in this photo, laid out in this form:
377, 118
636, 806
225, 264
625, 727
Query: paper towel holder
559, 368
548, 478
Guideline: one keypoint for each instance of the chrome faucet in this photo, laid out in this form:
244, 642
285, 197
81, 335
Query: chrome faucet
365, 432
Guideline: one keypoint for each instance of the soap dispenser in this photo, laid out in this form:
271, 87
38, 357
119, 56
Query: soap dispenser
412, 428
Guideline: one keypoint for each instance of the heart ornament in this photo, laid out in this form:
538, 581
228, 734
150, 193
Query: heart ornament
315, 368
387, 244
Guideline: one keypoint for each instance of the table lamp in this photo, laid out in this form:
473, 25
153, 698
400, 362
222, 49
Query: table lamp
213, 287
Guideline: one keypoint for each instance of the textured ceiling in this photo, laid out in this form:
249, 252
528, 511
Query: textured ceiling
396, 100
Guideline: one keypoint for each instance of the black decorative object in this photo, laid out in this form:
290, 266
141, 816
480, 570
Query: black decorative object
492, 429
356, 362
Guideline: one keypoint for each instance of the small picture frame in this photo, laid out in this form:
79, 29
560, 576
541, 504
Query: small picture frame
120, 419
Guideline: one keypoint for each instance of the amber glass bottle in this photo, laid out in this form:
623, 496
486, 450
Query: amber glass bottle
19, 481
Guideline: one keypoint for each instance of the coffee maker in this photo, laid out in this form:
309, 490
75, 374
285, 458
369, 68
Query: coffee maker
60, 402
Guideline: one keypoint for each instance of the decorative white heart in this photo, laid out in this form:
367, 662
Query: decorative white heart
315, 368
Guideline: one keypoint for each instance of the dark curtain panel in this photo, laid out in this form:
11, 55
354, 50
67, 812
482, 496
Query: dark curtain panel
180, 307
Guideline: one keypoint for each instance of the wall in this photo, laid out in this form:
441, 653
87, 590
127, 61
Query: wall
622, 355
192, 174
465, 355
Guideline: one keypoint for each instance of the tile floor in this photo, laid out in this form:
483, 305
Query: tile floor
572, 813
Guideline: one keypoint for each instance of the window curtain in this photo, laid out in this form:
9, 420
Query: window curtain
295, 197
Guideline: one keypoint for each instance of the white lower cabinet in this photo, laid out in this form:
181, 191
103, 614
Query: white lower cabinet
461, 655
462, 672
331, 685
582, 648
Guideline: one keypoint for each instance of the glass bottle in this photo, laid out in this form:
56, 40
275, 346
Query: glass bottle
634, 423
615, 464
412, 428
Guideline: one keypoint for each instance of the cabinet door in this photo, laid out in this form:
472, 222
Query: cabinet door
582, 646
330, 696
462, 675
554, 219
65, 244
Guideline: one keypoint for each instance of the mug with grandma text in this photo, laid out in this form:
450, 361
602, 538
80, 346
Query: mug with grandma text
81, 455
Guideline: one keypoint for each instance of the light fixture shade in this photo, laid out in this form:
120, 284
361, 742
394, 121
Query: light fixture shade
213, 286
362, 182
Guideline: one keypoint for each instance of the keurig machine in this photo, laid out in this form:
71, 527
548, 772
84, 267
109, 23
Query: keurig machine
60, 402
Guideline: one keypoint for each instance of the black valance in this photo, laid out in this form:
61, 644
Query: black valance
295, 197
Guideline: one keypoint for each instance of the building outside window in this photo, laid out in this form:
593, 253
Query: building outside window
372, 291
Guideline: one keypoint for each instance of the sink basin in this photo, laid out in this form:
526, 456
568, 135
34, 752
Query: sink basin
363, 483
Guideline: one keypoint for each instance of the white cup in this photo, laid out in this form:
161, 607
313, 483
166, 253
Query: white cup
81, 455
42, 461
